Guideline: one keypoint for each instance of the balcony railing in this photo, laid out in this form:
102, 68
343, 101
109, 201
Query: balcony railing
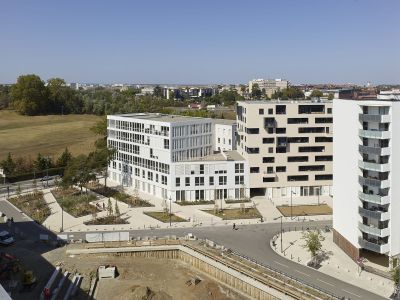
374, 214
374, 150
374, 230
374, 182
376, 199
376, 247
375, 118
373, 166
374, 134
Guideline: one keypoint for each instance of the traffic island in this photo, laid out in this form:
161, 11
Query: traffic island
235, 213
164, 217
33, 205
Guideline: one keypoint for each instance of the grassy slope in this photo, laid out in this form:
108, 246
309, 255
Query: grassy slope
27, 136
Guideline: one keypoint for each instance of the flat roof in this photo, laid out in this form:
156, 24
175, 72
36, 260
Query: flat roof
289, 101
160, 117
225, 156
224, 121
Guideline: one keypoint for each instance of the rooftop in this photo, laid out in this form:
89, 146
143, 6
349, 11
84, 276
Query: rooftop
220, 156
160, 117
284, 101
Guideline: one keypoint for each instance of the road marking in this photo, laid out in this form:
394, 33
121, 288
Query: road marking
280, 264
351, 293
302, 273
326, 282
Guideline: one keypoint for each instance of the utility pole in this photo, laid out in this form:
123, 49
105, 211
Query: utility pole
291, 204
281, 231
170, 211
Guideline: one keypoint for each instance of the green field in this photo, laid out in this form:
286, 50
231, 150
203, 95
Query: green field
49, 135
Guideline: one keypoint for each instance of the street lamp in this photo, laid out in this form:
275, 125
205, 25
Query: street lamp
62, 218
319, 193
281, 231
291, 204
170, 210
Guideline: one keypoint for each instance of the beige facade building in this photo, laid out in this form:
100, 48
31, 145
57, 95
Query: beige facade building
288, 146
270, 86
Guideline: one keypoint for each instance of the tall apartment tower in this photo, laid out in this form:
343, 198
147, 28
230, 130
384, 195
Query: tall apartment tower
288, 146
366, 164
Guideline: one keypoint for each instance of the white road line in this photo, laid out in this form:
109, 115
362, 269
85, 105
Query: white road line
280, 264
302, 273
351, 293
326, 282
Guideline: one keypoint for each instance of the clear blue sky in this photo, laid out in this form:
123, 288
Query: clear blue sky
217, 41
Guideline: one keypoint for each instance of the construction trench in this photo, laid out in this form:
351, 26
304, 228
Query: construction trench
239, 274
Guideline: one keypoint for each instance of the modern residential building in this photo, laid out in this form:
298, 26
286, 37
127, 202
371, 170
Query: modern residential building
175, 157
288, 146
269, 85
366, 165
389, 95
225, 135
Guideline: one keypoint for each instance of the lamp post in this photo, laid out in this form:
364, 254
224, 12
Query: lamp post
291, 204
319, 193
62, 218
170, 210
281, 231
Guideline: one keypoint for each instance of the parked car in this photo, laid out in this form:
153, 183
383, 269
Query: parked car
6, 238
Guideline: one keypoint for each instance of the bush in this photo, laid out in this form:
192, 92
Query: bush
75, 203
108, 220
33, 205
28, 176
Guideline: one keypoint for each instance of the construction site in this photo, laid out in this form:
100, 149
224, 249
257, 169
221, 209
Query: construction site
151, 269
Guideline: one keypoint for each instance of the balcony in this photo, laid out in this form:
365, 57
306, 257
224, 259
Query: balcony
376, 199
372, 166
374, 134
374, 214
372, 246
374, 150
374, 182
375, 118
374, 230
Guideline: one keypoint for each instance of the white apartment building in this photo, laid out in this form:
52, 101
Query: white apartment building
367, 162
225, 135
269, 85
288, 146
389, 95
172, 157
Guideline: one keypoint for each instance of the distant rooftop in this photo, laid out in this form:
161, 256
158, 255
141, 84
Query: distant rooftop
220, 156
284, 101
160, 117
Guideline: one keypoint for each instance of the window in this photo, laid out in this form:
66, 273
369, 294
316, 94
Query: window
324, 177
201, 169
297, 120
239, 179
270, 111
164, 179
211, 180
239, 168
311, 168
137, 172
156, 177
180, 195
143, 174
177, 181
222, 180
254, 170
311, 129
311, 109
268, 160
260, 111
323, 139
323, 120
252, 150
297, 178
298, 139
187, 181
280, 169
268, 179
280, 130
166, 144
329, 110
270, 150
253, 130
324, 158
312, 149
270, 130
270, 170
199, 181
281, 109
297, 158
199, 195
268, 140
150, 175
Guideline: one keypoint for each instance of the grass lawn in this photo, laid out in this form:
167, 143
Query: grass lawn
109, 220
164, 217
49, 135
238, 201
236, 213
305, 210
75, 203
185, 203
33, 205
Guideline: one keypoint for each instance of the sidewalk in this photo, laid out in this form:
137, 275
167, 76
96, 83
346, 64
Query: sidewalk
337, 264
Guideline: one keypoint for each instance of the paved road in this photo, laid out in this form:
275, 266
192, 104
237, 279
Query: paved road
254, 241
250, 240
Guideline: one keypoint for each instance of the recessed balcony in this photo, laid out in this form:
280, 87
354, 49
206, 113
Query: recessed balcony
374, 245
376, 199
374, 150
375, 118
374, 182
370, 229
374, 134
374, 214
372, 166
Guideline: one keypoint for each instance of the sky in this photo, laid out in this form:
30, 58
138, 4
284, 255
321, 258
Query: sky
201, 42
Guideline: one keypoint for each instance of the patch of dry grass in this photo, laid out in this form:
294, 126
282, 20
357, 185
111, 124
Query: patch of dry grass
305, 210
236, 213
49, 135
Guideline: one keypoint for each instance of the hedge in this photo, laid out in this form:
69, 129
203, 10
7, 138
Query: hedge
38, 175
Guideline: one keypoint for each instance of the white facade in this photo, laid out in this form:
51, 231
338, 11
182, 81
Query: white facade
365, 168
172, 157
225, 135
389, 95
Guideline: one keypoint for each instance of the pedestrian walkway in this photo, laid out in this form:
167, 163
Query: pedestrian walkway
336, 263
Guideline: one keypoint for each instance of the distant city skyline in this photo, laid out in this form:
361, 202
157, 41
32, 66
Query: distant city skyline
179, 42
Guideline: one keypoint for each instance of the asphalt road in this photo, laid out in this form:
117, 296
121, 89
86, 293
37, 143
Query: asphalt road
250, 240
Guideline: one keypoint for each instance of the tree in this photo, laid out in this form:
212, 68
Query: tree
29, 95
158, 92
255, 91
109, 208
78, 172
396, 276
64, 159
330, 96
313, 242
42, 162
18, 190
316, 93
289, 93
8, 165
117, 212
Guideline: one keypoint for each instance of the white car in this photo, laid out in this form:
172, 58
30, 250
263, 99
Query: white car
6, 238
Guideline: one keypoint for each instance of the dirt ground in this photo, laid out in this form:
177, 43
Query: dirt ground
305, 210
